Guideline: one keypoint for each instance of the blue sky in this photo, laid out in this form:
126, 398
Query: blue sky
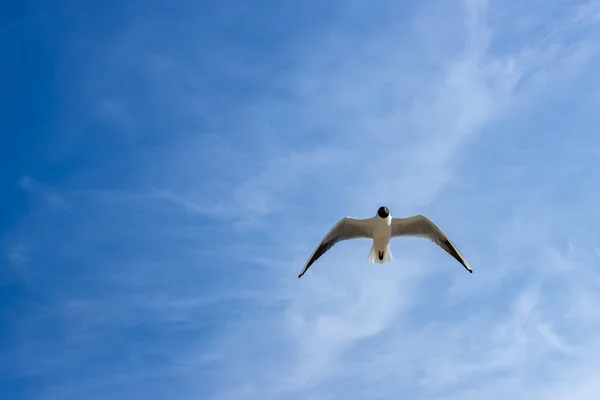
169, 167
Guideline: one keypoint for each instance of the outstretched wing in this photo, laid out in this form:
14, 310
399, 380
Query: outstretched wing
422, 226
344, 229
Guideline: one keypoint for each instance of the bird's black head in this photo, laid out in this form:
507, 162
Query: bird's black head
383, 212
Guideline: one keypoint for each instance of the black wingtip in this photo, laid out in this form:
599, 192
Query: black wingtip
300, 276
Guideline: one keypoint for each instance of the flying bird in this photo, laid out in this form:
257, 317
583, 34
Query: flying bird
381, 228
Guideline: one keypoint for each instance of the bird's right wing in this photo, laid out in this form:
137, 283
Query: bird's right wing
344, 229
422, 226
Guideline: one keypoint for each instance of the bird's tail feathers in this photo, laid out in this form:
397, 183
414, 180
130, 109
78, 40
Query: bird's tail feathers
375, 253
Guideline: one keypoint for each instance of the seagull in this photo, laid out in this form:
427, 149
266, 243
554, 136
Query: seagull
381, 228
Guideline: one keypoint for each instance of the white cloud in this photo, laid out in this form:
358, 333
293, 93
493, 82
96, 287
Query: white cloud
471, 91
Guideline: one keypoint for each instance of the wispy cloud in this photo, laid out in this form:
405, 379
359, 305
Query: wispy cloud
477, 114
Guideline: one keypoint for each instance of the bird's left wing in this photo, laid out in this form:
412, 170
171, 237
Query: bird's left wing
422, 226
344, 229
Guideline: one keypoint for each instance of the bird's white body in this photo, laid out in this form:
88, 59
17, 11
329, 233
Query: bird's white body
381, 228
382, 232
